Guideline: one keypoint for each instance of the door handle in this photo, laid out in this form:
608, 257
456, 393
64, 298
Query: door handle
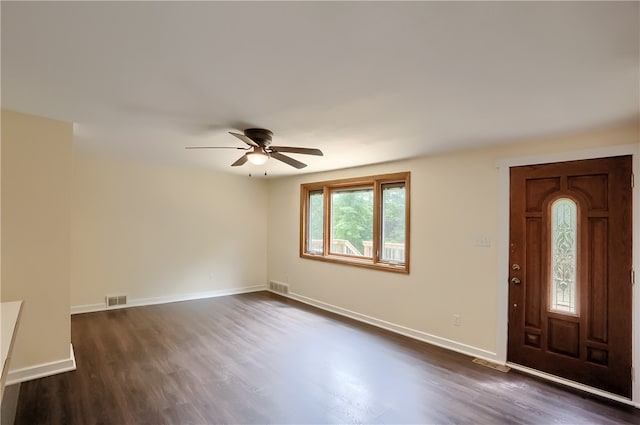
515, 281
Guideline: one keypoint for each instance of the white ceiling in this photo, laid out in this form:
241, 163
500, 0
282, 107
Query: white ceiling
365, 82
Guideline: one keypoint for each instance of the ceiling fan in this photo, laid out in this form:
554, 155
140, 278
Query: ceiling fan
260, 149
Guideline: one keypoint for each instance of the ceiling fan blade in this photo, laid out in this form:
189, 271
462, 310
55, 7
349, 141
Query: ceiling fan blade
244, 138
215, 147
288, 160
305, 151
241, 161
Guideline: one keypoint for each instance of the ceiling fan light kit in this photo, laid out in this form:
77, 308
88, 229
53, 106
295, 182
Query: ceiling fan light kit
259, 141
257, 158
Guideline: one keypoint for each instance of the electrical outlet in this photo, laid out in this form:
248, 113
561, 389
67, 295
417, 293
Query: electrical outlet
456, 320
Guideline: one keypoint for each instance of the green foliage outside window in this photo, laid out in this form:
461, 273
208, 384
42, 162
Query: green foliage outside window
393, 214
352, 216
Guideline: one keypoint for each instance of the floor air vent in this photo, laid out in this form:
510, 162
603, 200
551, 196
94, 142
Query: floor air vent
281, 288
115, 300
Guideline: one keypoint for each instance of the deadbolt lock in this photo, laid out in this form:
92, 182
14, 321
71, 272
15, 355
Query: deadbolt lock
515, 266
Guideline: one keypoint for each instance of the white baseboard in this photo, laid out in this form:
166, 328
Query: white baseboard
90, 308
42, 370
572, 384
87, 308
399, 329
451, 345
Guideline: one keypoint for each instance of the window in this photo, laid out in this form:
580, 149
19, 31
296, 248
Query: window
315, 225
362, 221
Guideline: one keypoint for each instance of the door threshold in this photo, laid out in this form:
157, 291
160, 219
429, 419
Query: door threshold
573, 384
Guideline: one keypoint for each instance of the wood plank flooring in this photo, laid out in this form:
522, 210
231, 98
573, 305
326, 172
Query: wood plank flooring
260, 358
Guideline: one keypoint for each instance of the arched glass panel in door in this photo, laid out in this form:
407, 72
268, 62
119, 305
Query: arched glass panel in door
564, 238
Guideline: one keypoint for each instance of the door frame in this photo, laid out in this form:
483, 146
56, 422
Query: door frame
504, 166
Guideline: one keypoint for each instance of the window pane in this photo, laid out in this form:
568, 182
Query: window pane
352, 222
564, 219
393, 223
315, 229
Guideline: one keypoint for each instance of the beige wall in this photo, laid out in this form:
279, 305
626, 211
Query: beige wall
76, 227
36, 191
153, 230
454, 197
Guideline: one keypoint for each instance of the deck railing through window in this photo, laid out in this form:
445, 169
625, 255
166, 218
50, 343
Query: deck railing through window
392, 251
338, 246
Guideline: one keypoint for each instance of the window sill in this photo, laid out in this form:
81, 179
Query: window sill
359, 262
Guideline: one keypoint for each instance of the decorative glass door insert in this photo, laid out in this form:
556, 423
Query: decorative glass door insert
564, 237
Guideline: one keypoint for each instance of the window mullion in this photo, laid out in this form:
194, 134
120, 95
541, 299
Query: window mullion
326, 241
377, 223
304, 220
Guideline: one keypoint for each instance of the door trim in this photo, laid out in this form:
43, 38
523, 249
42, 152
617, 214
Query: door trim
504, 166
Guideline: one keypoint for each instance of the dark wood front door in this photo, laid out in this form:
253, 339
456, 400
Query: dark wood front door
570, 271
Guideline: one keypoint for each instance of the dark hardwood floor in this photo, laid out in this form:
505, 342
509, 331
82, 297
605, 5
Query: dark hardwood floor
260, 358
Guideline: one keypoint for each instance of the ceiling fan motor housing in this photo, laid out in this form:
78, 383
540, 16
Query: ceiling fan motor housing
259, 135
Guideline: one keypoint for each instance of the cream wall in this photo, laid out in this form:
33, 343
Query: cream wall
77, 226
454, 198
36, 193
155, 231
